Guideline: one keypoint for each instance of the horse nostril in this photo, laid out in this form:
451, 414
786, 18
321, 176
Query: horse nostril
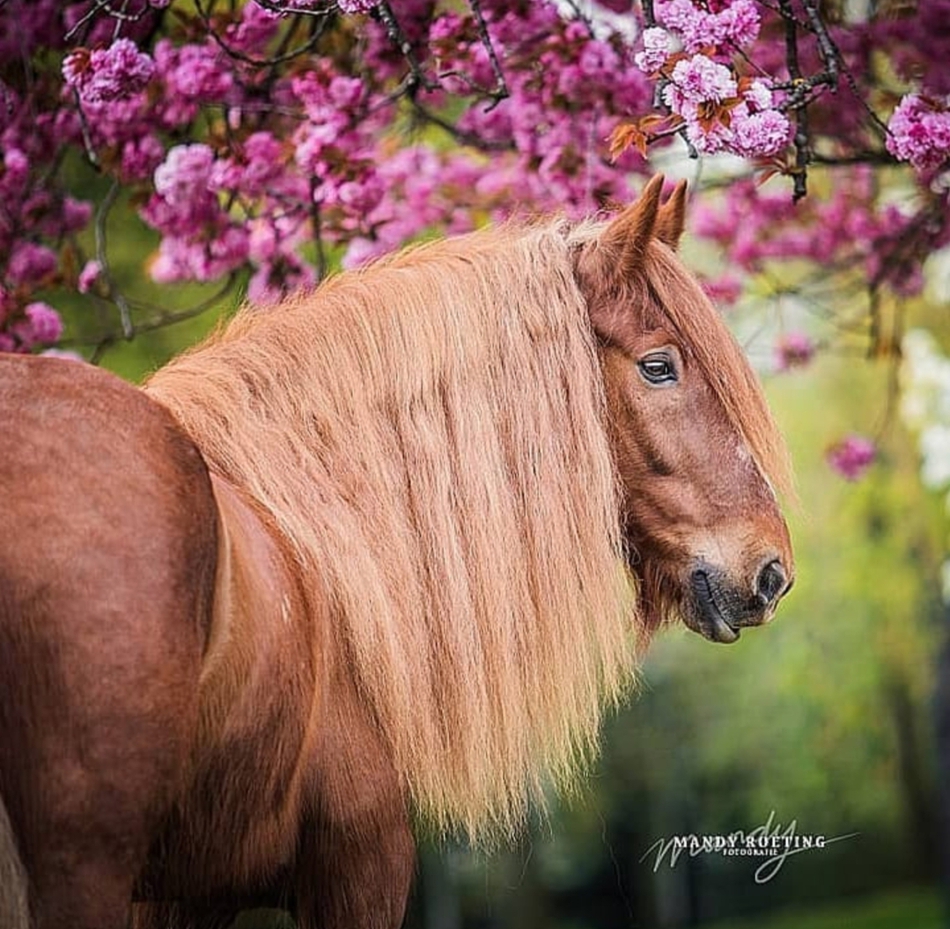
770, 582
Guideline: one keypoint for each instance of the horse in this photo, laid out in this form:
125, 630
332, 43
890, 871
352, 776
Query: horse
374, 558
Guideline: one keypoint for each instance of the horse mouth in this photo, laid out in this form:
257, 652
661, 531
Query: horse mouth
707, 617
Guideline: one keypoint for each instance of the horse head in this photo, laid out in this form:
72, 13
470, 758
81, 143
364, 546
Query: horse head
698, 457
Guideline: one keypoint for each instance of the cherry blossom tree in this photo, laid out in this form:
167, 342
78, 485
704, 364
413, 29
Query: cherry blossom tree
266, 141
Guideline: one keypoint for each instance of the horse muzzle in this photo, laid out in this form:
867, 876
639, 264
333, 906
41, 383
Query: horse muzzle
718, 610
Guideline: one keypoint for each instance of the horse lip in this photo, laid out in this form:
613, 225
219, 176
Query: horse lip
710, 622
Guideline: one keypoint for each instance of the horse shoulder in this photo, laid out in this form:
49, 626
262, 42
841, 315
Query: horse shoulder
260, 708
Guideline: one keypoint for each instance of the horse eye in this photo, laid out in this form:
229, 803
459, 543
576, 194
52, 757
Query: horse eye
658, 369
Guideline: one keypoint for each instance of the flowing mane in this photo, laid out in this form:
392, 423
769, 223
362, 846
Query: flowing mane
428, 434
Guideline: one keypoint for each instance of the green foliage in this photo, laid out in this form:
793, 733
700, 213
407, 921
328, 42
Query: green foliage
910, 909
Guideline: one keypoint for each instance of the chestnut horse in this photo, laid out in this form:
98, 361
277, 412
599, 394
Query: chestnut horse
383, 551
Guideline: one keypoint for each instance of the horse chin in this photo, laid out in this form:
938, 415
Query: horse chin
704, 615
711, 626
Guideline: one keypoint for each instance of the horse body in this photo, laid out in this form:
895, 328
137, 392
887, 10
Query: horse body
177, 743
360, 554
288, 795
104, 611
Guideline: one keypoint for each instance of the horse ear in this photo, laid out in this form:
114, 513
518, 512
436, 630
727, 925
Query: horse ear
671, 217
625, 239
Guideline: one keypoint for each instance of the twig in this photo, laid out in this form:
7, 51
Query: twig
501, 87
472, 139
102, 256
277, 59
98, 6
160, 320
417, 78
802, 154
86, 134
273, 7
826, 47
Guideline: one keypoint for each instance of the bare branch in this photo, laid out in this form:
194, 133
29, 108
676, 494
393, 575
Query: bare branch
501, 88
279, 58
802, 153
102, 256
417, 77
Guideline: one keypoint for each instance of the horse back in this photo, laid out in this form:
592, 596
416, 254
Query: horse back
108, 552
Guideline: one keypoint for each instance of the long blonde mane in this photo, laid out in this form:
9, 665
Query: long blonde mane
429, 436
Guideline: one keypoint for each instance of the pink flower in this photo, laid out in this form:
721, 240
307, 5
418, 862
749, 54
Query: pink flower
793, 350
40, 325
725, 289
759, 134
737, 24
114, 73
699, 80
852, 456
656, 49
87, 277
198, 74
185, 172
920, 132
31, 263
141, 156
356, 6
16, 171
75, 215
256, 28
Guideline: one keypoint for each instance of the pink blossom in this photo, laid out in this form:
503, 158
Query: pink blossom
255, 29
255, 167
31, 263
40, 325
184, 173
699, 80
919, 132
793, 350
274, 280
656, 49
141, 156
88, 276
75, 216
740, 23
201, 259
759, 134
725, 289
356, 6
737, 23
16, 171
108, 74
852, 456
758, 96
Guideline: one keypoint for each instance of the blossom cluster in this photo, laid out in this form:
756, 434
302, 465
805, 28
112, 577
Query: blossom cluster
920, 132
852, 456
268, 144
691, 52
